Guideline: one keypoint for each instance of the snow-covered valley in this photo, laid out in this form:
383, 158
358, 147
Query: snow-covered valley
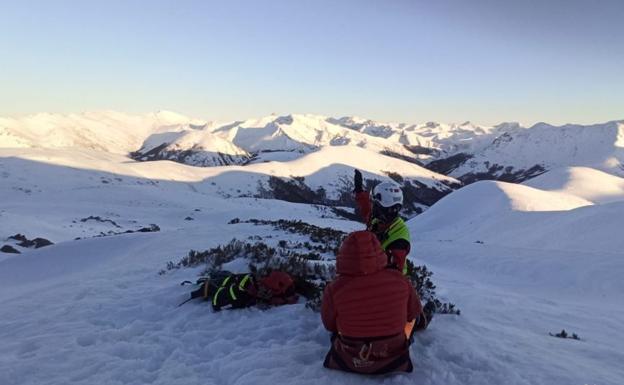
520, 260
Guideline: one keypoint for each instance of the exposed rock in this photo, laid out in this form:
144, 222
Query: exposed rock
100, 220
9, 249
149, 229
446, 165
194, 157
19, 237
503, 174
36, 243
401, 156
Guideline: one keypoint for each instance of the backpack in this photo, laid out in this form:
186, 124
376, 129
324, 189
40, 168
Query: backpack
277, 288
234, 291
225, 289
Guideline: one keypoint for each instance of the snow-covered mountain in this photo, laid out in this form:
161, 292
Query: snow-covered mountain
289, 144
298, 158
507, 151
273, 138
466, 151
519, 154
167, 135
108, 131
192, 146
429, 140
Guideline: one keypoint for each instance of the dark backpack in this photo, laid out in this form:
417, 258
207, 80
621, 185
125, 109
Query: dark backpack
234, 291
225, 289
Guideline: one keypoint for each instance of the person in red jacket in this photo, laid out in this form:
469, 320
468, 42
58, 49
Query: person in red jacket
366, 308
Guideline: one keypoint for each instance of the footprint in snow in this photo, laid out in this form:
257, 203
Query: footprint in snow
86, 340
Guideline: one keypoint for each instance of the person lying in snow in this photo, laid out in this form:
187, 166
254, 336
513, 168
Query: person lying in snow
226, 290
370, 310
380, 211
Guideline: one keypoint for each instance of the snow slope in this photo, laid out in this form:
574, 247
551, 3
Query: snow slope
588, 183
41, 176
95, 311
105, 130
329, 167
578, 239
556, 262
520, 261
516, 215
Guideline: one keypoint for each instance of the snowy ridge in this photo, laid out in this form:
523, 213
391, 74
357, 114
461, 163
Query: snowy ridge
555, 241
430, 140
192, 147
546, 147
105, 131
303, 134
516, 216
330, 168
588, 183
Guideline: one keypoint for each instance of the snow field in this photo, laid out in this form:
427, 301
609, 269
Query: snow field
113, 320
520, 261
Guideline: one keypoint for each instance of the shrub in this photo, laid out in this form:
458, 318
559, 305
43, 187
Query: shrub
564, 334
420, 277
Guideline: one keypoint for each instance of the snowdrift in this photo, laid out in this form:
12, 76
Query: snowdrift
588, 183
533, 239
521, 216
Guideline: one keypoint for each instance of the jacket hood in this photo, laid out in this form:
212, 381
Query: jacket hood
360, 254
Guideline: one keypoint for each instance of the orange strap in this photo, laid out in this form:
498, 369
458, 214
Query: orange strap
409, 327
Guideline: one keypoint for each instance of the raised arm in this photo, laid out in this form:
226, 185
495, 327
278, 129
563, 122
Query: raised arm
362, 198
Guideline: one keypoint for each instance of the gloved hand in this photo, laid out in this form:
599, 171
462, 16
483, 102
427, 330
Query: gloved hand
357, 181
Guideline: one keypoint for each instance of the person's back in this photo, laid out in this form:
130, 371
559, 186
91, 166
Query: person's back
367, 308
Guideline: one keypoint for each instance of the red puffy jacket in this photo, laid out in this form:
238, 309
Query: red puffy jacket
367, 307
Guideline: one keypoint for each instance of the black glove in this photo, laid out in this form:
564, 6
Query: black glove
357, 182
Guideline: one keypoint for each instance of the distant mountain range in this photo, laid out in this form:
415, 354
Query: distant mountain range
466, 152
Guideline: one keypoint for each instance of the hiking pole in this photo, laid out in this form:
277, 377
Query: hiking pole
202, 291
185, 302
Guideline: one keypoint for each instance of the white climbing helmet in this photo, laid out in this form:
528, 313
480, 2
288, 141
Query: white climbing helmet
388, 194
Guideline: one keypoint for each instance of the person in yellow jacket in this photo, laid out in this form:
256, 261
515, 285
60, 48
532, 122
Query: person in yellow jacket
380, 211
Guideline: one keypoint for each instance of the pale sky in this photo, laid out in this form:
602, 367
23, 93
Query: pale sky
486, 61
